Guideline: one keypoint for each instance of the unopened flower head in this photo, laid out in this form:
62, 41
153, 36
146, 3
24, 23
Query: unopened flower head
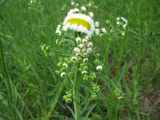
97, 31
63, 74
84, 41
99, 68
84, 72
74, 58
80, 23
65, 65
90, 44
83, 8
89, 50
97, 24
104, 30
76, 50
78, 40
91, 14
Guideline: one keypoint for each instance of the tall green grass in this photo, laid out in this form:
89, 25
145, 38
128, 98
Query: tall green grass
29, 88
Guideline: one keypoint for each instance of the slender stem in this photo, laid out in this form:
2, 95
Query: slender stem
8, 82
76, 97
54, 103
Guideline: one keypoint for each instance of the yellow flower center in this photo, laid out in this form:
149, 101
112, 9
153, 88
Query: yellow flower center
79, 22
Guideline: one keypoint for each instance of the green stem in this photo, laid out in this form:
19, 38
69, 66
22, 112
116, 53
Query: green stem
8, 82
76, 98
53, 105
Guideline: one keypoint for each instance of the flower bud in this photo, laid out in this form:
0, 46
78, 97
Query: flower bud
85, 60
63, 74
97, 24
65, 65
73, 59
104, 30
84, 72
90, 44
84, 41
83, 8
99, 68
78, 40
76, 50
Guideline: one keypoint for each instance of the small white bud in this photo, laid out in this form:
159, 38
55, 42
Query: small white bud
118, 23
97, 32
90, 44
78, 40
99, 68
87, 37
85, 60
85, 54
104, 30
83, 8
73, 59
91, 14
65, 65
123, 33
78, 54
89, 50
124, 26
84, 72
63, 74
97, 24
81, 45
72, 3
77, 5
76, 50
90, 4
84, 41
65, 28
76, 10
118, 18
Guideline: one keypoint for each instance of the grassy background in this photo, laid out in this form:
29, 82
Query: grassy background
131, 66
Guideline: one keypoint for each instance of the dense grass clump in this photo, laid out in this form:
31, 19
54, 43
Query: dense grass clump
129, 83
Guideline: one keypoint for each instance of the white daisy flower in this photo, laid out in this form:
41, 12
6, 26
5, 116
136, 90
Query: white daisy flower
80, 23
83, 8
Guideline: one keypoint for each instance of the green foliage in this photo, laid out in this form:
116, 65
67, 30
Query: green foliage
129, 84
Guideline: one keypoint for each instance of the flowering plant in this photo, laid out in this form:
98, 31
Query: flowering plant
80, 68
